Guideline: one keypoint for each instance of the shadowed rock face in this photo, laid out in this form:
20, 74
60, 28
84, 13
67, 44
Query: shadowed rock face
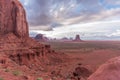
81, 72
108, 71
13, 18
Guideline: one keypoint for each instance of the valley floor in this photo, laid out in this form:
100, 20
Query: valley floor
88, 53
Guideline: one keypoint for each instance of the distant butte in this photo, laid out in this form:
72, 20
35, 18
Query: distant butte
41, 37
77, 38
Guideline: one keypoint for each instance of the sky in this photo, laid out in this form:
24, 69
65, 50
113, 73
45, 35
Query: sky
91, 19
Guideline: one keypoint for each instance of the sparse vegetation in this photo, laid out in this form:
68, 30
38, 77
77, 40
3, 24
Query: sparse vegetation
1, 78
39, 79
16, 73
7, 70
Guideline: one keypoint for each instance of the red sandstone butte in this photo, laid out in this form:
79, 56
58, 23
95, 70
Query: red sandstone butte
77, 38
13, 18
15, 42
40, 37
108, 71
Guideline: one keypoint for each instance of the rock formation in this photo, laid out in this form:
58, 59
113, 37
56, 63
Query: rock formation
40, 37
108, 71
77, 38
15, 42
80, 72
65, 39
13, 18
20, 52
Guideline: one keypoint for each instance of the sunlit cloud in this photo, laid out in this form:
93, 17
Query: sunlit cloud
96, 29
90, 18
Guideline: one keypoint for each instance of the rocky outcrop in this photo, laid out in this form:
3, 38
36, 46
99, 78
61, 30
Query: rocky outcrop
80, 73
14, 39
77, 38
65, 39
13, 18
108, 71
39, 37
17, 49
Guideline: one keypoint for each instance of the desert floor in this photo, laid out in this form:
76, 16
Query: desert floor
91, 54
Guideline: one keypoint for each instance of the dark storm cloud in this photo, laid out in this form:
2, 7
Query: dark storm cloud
37, 11
44, 12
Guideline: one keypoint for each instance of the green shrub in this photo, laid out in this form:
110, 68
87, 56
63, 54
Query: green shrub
16, 73
1, 78
39, 79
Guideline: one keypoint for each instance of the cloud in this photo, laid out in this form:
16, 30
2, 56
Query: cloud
45, 28
94, 30
104, 15
90, 18
44, 12
116, 33
112, 2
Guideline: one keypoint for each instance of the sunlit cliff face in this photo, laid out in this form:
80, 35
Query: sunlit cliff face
92, 19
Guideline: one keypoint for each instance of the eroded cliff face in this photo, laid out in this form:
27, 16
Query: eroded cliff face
17, 49
13, 18
15, 42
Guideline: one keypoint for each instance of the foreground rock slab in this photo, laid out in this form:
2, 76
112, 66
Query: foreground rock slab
108, 71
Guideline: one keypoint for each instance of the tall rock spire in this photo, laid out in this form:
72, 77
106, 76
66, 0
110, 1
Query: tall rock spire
13, 18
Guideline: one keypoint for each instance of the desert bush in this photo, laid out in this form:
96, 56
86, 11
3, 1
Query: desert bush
1, 78
7, 70
39, 79
16, 73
